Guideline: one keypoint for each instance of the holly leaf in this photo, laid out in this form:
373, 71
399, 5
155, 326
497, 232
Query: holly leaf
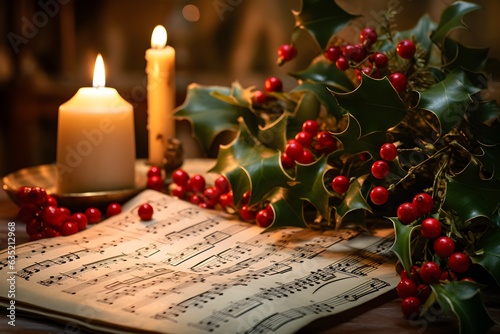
288, 212
487, 253
451, 19
353, 200
321, 19
470, 196
323, 95
464, 299
484, 119
449, 98
308, 107
208, 115
374, 104
472, 59
401, 246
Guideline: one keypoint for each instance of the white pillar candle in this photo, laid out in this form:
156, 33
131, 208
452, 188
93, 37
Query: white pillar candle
160, 69
95, 139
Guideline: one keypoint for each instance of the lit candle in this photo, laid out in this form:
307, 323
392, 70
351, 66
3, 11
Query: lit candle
95, 139
160, 69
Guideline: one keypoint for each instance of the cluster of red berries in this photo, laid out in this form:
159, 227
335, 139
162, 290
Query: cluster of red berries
362, 59
195, 190
271, 84
155, 179
307, 145
414, 288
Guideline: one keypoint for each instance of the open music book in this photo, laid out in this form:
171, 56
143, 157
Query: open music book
191, 270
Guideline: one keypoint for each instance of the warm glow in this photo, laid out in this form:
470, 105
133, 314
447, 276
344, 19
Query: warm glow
99, 73
159, 37
191, 13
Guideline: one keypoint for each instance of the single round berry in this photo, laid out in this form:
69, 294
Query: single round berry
65, 211
246, 213
380, 169
154, 170
379, 59
459, 262
69, 228
398, 81
379, 195
430, 228
430, 272
306, 158
294, 149
93, 215
444, 247
265, 217
49, 232
342, 63
180, 177
414, 274
340, 184
195, 199
222, 184
423, 292
356, 53
27, 212
407, 213
145, 211
155, 182
286, 52
212, 195
179, 191
410, 306
273, 84
388, 151
423, 202
304, 138
286, 161
226, 200
113, 209
310, 126
34, 226
406, 288
53, 216
22, 194
80, 219
245, 199
333, 53
198, 183
259, 97
368, 36
37, 196
324, 138
51, 200
406, 49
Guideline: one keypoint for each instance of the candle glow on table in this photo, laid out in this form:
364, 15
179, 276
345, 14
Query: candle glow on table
95, 139
160, 69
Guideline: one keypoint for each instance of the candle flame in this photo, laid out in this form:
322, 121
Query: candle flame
99, 73
159, 37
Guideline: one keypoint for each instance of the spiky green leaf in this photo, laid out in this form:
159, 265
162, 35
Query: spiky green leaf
487, 253
460, 56
353, 200
401, 246
451, 19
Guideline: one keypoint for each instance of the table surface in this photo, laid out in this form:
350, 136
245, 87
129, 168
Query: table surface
381, 315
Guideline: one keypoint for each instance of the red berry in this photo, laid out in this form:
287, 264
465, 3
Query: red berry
195, 199
304, 138
80, 219
294, 149
198, 183
27, 212
423, 202
265, 217
333, 53
430, 228
306, 158
245, 199
310, 126
155, 182
368, 36
406, 49
379, 195
93, 215
424, 292
259, 97
246, 213
212, 195
414, 274
398, 81
37, 196
406, 288
342, 63
444, 247
145, 211
222, 184
410, 306
49, 232
286, 161
388, 151
273, 84
53, 216
65, 211
113, 209
33, 227
154, 170
340, 184
380, 169
69, 228
286, 52
407, 213
324, 139
22, 195
430, 272
226, 200
459, 262
379, 59
179, 191
51, 200
180, 177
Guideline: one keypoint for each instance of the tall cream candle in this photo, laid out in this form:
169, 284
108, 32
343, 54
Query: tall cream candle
160, 69
95, 139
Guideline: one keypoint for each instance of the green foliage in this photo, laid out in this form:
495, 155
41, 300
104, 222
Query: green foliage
401, 246
487, 252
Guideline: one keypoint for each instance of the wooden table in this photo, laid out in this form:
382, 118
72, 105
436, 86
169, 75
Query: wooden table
381, 315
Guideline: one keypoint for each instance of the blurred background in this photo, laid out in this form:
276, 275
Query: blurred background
48, 50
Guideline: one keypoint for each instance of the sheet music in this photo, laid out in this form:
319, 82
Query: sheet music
190, 270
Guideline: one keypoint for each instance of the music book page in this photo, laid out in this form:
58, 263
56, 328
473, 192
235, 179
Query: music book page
192, 270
